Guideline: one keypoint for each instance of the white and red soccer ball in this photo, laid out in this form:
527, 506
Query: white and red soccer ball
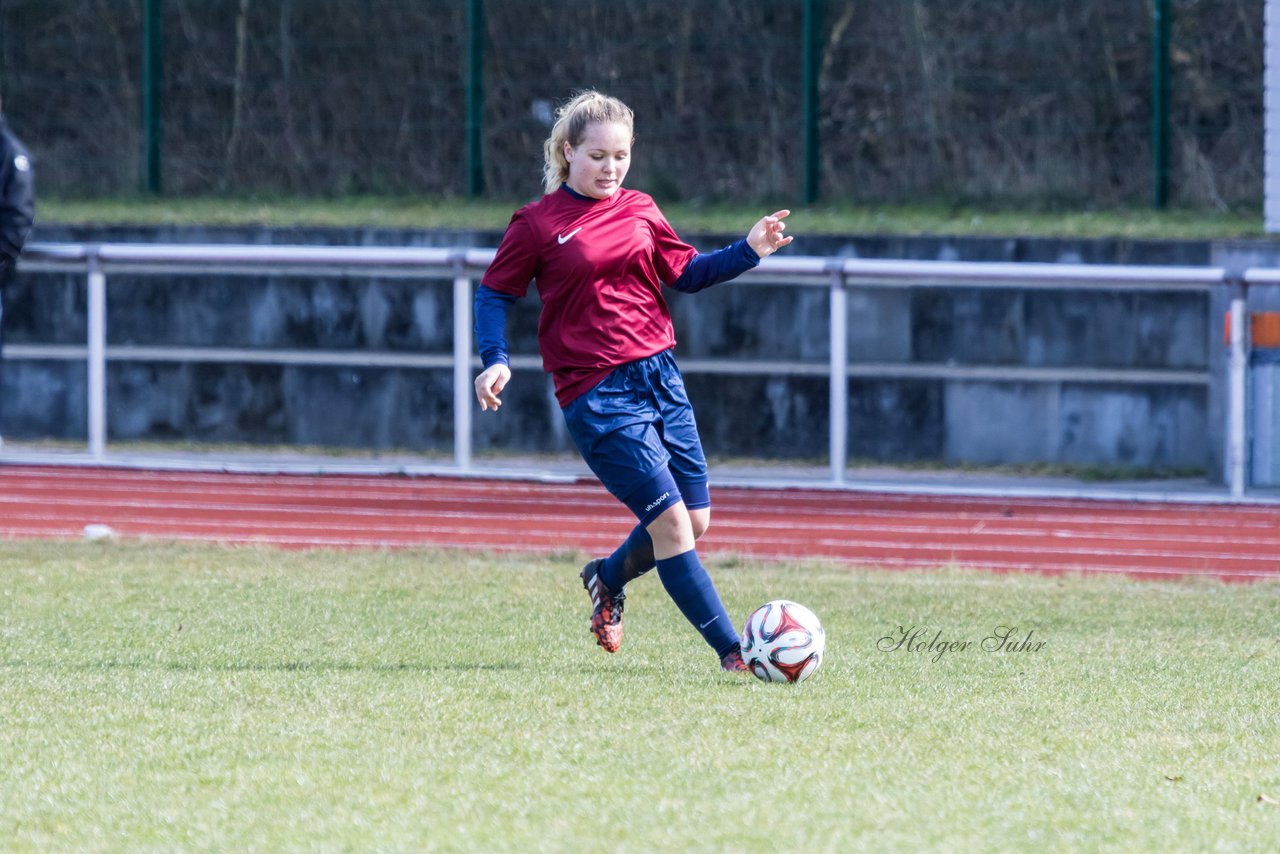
783, 641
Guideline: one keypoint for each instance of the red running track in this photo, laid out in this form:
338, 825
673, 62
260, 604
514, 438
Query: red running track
1229, 541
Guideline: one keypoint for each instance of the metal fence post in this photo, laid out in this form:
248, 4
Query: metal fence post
812, 99
97, 356
152, 108
839, 395
475, 98
812, 60
1160, 89
1237, 390
462, 299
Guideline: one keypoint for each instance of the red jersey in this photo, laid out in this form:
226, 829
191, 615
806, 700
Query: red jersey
599, 265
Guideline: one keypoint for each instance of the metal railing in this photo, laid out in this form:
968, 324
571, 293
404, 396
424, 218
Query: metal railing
464, 267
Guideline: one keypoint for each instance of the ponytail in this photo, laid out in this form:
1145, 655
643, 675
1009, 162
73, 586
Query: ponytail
572, 119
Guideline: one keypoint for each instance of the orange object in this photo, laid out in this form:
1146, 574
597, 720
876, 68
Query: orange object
1264, 328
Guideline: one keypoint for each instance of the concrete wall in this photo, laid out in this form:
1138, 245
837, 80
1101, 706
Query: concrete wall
892, 419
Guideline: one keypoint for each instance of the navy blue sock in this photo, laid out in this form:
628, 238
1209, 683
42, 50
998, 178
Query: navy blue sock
691, 589
631, 560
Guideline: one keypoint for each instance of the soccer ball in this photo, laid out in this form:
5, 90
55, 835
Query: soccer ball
783, 641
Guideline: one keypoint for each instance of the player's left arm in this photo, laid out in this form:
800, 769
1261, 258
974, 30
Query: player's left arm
766, 235
712, 268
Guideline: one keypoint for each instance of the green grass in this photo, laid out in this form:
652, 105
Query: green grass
159, 697
462, 213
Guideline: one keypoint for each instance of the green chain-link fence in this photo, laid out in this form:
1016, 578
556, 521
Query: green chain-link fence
1025, 101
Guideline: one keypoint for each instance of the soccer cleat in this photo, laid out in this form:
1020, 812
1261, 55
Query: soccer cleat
732, 661
606, 607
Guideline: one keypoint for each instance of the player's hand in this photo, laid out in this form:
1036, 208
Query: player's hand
766, 237
489, 385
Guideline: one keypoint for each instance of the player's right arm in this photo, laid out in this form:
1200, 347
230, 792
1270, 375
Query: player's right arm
514, 265
491, 309
490, 383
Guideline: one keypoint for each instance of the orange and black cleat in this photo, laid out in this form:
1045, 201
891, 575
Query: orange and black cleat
732, 661
606, 607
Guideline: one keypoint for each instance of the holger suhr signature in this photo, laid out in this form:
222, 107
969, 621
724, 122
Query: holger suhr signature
936, 644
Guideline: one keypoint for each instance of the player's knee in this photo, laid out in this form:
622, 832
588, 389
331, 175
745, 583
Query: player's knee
671, 532
700, 520
669, 525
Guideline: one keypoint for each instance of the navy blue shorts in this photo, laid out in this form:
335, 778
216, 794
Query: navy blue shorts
635, 427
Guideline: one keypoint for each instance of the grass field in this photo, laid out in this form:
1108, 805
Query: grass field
159, 697
846, 219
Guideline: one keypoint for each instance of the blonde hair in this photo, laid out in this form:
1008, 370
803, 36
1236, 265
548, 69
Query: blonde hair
585, 108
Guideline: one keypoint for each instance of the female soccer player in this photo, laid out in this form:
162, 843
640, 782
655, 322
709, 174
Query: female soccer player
600, 255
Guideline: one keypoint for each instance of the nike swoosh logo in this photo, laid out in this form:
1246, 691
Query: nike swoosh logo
565, 238
708, 622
